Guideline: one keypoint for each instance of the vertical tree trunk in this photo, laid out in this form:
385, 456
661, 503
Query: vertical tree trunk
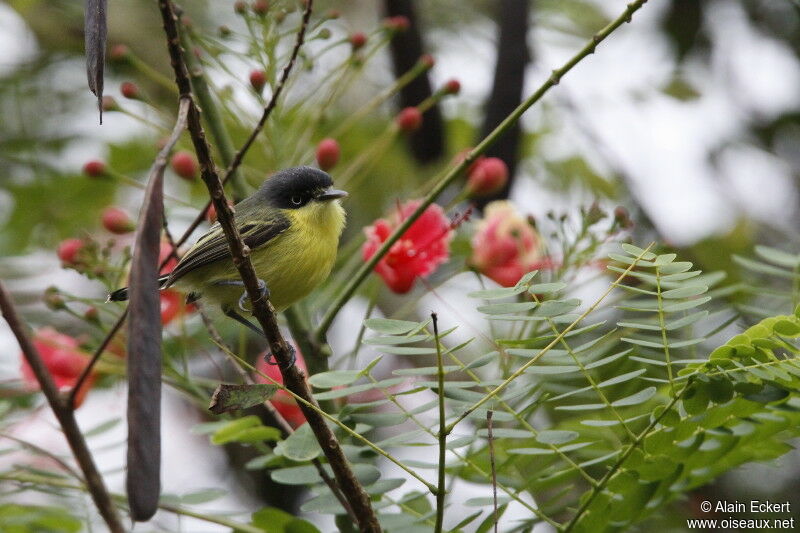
427, 143
509, 79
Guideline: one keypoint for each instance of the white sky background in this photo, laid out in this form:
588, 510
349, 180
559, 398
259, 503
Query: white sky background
661, 142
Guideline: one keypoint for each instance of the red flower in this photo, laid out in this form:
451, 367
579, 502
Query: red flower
422, 248
173, 303
505, 246
283, 402
63, 358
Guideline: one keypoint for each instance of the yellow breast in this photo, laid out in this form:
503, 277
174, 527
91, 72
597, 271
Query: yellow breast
293, 264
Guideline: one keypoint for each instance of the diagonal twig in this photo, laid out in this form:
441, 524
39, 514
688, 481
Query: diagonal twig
273, 100
64, 414
263, 311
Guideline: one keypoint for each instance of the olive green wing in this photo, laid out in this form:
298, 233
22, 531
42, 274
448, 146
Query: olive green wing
213, 246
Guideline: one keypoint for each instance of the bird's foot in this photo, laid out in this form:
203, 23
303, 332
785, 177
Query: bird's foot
270, 358
264, 294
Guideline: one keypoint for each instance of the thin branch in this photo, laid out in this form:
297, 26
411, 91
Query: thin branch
442, 435
64, 414
273, 100
489, 414
96, 356
454, 172
624, 457
47, 453
276, 415
54, 482
263, 311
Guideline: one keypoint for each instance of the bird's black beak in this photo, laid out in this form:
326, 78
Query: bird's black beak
331, 194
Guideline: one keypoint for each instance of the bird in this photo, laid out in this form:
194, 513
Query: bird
292, 225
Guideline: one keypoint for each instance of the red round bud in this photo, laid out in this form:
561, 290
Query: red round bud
109, 103
94, 169
452, 86
409, 119
117, 221
328, 153
358, 40
333, 14
487, 176
92, 315
68, 251
240, 7
185, 165
258, 78
260, 7
399, 23
211, 212
119, 52
129, 90
427, 61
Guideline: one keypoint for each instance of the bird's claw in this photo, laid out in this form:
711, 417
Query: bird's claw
270, 358
264, 293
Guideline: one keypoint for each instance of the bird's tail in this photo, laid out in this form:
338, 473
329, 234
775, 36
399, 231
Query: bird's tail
121, 295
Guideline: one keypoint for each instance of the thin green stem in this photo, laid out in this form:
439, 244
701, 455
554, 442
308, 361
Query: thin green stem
451, 175
335, 420
55, 482
624, 457
662, 326
521, 370
440, 492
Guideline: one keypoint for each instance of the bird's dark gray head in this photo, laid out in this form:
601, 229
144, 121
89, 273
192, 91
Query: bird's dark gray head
295, 187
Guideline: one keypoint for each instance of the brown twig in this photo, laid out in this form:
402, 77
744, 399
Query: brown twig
273, 100
276, 415
263, 311
96, 356
64, 414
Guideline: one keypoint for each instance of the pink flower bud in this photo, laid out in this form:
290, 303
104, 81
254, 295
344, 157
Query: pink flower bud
358, 40
487, 176
68, 251
328, 153
258, 78
94, 169
129, 90
409, 119
427, 61
260, 7
119, 52
117, 221
452, 86
185, 165
398, 23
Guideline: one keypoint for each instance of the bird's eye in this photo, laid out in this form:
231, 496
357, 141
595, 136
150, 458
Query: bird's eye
296, 200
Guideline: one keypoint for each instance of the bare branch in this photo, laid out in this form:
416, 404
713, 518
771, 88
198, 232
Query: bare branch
65, 416
263, 311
